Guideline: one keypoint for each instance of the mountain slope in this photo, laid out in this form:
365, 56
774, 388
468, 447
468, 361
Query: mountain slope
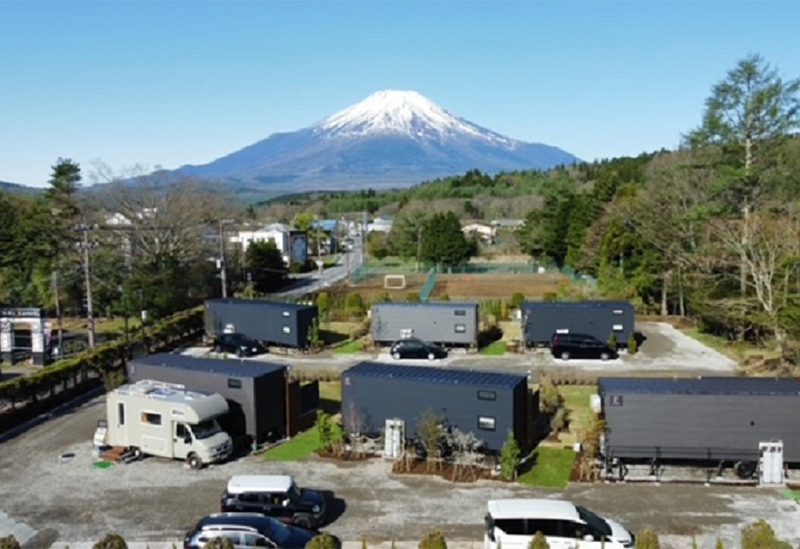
390, 138
17, 189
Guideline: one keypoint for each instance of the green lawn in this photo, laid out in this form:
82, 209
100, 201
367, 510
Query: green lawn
496, 348
330, 390
552, 469
349, 348
577, 400
735, 350
301, 446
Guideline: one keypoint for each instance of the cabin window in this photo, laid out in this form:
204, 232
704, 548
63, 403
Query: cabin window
618, 327
151, 419
619, 312
287, 330
121, 413
461, 312
286, 314
486, 423
487, 395
234, 383
461, 328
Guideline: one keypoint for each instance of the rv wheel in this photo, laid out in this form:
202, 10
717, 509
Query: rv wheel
137, 453
194, 462
565, 355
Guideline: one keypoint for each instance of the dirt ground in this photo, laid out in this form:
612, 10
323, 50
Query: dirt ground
158, 500
497, 286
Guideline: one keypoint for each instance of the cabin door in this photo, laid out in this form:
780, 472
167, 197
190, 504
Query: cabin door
181, 441
121, 425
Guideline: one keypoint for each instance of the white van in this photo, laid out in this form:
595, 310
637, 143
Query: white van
512, 523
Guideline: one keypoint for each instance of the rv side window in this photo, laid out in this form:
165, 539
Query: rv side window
287, 330
234, 383
180, 430
487, 395
121, 413
486, 423
151, 418
461, 312
461, 328
286, 313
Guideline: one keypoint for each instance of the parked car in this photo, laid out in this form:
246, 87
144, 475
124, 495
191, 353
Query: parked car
512, 523
239, 344
247, 530
566, 346
416, 348
275, 496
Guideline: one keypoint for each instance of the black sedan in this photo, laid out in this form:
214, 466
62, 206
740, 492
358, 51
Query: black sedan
238, 344
416, 348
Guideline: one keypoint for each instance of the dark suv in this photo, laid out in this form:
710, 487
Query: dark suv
239, 344
245, 530
566, 346
415, 348
275, 496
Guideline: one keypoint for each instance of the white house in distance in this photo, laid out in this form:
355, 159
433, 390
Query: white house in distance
484, 231
508, 224
292, 243
380, 224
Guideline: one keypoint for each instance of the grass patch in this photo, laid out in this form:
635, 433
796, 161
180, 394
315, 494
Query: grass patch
736, 350
551, 469
497, 348
330, 396
577, 399
349, 348
301, 446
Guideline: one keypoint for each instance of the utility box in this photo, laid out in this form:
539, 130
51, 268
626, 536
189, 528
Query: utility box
771, 462
394, 438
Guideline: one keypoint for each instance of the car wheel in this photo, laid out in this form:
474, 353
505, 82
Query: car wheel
217, 349
137, 453
431, 356
303, 522
194, 462
396, 355
564, 355
239, 353
604, 356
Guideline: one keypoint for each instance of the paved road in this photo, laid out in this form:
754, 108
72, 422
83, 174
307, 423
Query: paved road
309, 282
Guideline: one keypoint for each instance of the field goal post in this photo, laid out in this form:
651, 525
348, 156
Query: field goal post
394, 282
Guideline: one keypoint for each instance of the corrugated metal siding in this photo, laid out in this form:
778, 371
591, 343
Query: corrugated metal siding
681, 426
540, 320
429, 322
377, 399
264, 321
702, 385
443, 376
256, 408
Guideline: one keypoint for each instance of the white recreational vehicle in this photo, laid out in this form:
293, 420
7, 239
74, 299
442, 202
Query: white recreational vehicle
166, 420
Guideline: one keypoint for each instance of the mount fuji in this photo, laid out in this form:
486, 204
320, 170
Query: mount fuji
391, 138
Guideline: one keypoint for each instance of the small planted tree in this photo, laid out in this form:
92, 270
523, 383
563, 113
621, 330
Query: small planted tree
647, 539
719, 544
612, 341
111, 541
539, 542
314, 336
517, 299
324, 541
633, 345
324, 426
433, 540
413, 297
444, 297
9, 542
759, 535
355, 305
510, 457
324, 304
430, 433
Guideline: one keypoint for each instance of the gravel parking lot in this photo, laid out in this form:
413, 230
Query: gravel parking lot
158, 500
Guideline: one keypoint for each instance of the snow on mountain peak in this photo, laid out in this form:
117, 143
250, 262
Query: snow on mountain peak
402, 112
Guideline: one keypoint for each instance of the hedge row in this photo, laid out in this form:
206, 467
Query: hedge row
102, 360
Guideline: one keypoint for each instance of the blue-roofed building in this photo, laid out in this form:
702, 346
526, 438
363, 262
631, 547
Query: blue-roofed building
488, 404
255, 391
704, 419
330, 242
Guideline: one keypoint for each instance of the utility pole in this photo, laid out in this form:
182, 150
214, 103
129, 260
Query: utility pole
419, 244
223, 274
58, 316
86, 246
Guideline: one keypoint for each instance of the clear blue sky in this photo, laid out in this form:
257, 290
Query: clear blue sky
173, 83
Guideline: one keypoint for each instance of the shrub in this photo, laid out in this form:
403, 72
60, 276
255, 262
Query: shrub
111, 541
510, 455
550, 297
559, 420
324, 427
759, 535
324, 541
719, 544
633, 345
355, 305
384, 298
549, 395
433, 540
444, 297
9, 542
539, 542
324, 303
612, 341
412, 297
503, 311
517, 299
647, 539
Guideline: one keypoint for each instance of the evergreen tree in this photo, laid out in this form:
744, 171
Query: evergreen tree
265, 263
443, 241
510, 455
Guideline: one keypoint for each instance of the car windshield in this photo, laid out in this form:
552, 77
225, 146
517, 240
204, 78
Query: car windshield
598, 524
278, 532
294, 493
205, 429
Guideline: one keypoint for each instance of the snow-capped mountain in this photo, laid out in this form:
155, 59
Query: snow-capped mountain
389, 138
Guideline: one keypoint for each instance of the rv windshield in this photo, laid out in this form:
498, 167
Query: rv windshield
205, 429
